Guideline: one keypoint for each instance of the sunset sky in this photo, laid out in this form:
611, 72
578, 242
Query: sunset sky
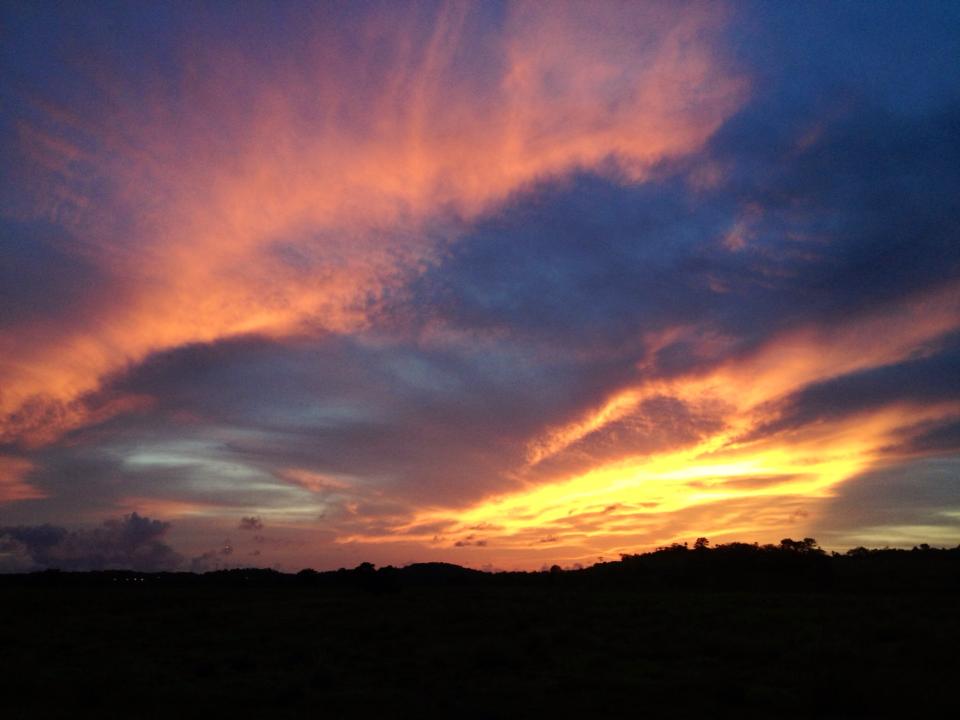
504, 285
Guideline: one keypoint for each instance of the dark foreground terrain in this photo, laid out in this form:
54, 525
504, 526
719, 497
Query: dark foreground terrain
735, 631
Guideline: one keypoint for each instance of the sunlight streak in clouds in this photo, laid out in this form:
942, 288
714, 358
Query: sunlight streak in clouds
612, 506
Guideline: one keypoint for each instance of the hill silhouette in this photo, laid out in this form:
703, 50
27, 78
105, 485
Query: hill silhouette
790, 565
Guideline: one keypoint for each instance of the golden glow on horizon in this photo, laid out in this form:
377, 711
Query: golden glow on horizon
640, 501
637, 503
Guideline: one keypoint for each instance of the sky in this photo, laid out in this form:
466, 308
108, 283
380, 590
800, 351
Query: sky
499, 284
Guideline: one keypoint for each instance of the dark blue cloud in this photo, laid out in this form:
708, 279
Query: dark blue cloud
924, 380
937, 437
863, 217
131, 542
229, 417
905, 501
584, 259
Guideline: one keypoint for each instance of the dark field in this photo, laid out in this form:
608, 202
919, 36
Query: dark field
531, 645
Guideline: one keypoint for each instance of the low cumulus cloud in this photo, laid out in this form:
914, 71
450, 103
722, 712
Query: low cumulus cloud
131, 542
217, 559
250, 523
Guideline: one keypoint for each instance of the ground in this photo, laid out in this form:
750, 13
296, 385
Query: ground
139, 650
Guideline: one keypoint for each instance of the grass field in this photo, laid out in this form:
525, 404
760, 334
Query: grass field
474, 652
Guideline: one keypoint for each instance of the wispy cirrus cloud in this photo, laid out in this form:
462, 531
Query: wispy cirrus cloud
219, 192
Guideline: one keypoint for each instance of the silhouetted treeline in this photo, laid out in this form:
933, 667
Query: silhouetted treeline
790, 565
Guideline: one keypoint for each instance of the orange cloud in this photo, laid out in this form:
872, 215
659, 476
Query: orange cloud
167, 508
315, 482
284, 198
12, 484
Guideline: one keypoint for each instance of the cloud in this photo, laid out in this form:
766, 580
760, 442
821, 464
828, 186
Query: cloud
932, 437
397, 273
470, 540
214, 559
336, 167
250, 523
131, 542
347, 416
13, 485
902, 504
930, 380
